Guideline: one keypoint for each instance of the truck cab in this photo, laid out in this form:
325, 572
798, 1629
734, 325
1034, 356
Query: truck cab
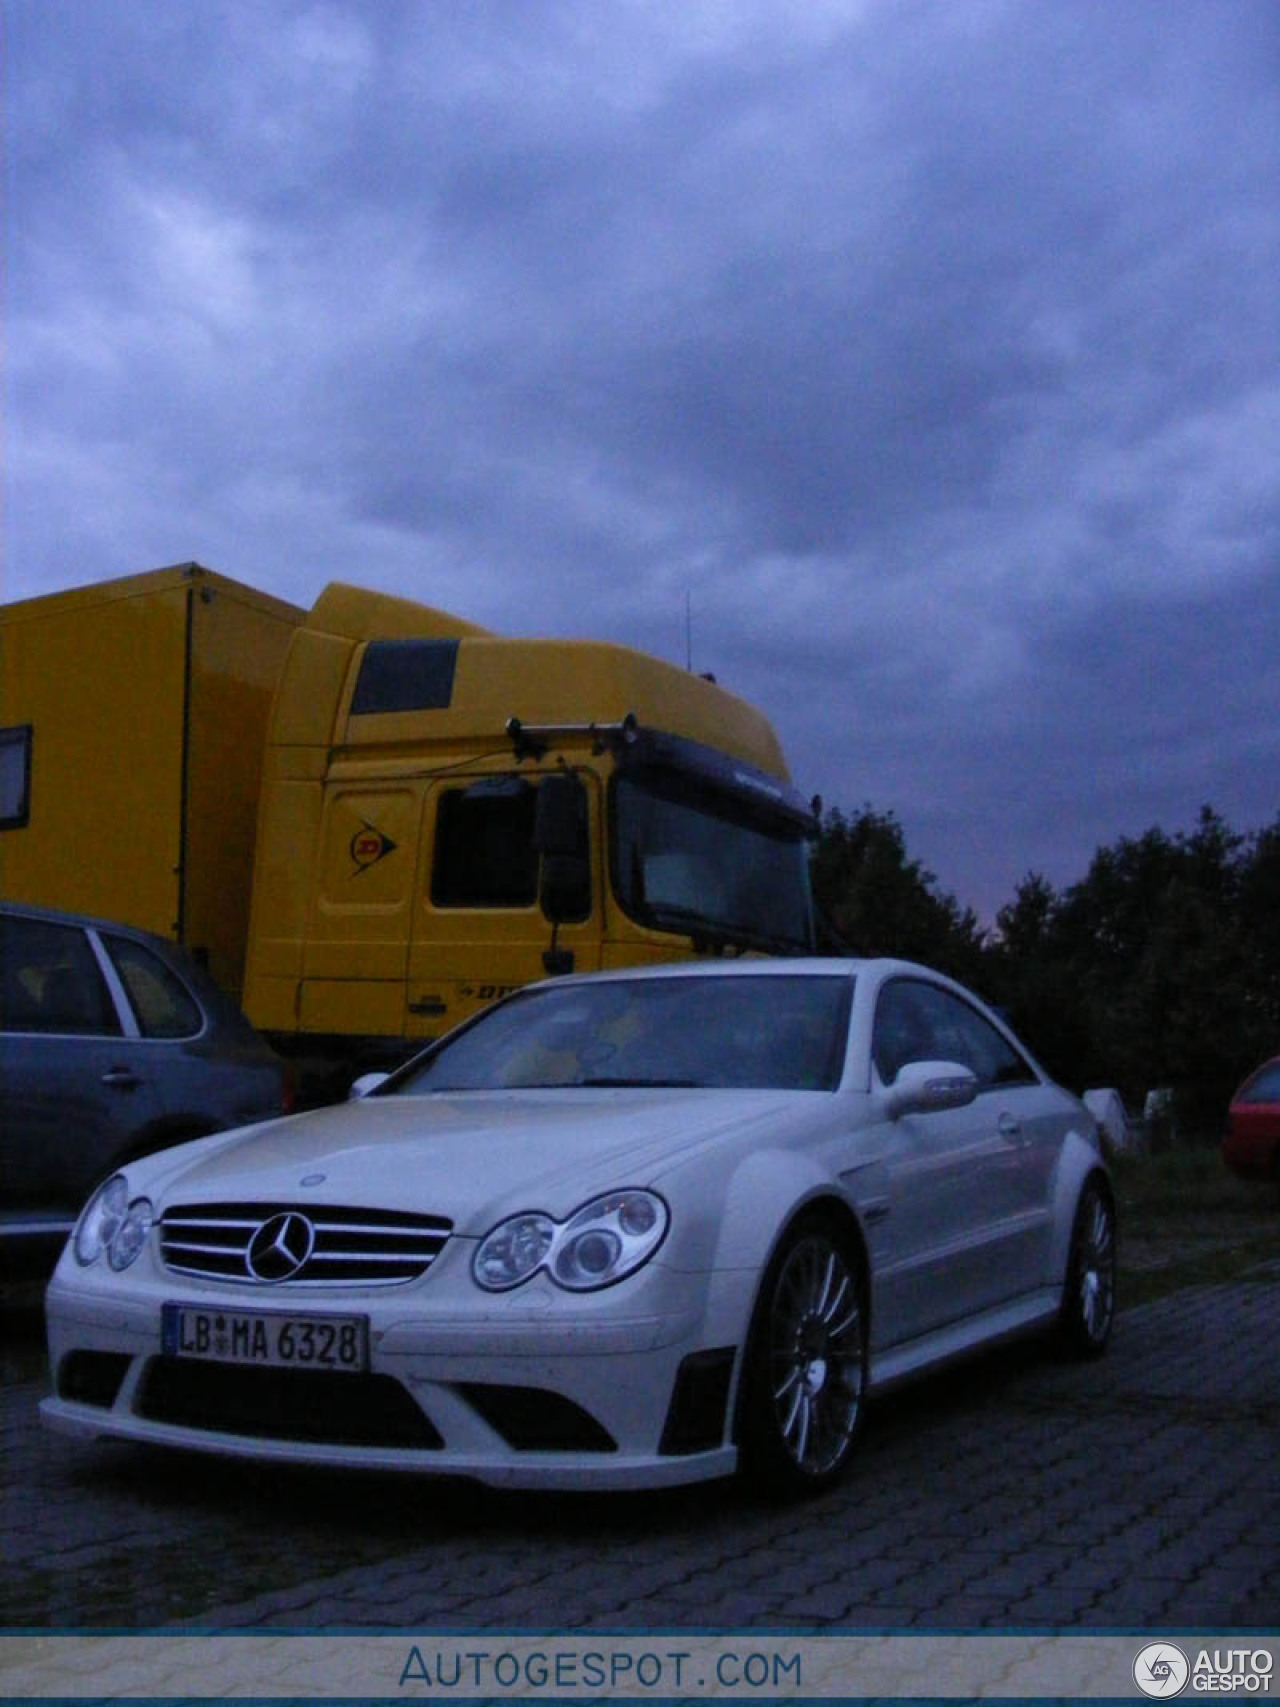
447, 814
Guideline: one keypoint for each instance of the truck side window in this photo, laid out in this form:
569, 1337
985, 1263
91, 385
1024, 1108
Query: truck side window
405, 675
484, 853
50, 981
15, 776
160, 999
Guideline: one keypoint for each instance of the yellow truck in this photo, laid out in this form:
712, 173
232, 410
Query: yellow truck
371, 818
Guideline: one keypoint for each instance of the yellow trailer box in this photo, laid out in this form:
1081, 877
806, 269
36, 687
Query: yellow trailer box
133, 718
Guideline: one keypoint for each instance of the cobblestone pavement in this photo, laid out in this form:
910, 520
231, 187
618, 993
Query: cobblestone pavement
1018, 1491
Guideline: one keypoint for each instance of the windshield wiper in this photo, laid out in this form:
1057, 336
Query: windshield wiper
711, 934
637, 1084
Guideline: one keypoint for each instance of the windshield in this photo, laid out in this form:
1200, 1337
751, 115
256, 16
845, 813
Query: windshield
1264, 1086
760, 1033
687, 858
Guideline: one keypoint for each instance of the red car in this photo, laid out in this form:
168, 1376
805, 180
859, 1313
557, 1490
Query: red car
1251, 1147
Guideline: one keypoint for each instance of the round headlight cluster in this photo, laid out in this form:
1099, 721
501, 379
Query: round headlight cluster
604, 1241
113, 1226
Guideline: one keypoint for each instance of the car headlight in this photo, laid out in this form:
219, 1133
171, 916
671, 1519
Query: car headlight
112, 1224
603, 1242
513, 1251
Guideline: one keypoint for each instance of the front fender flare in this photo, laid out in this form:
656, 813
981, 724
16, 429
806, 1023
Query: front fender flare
764, 1197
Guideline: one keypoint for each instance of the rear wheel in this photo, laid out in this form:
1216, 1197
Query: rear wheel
806, 1364
1089, 1296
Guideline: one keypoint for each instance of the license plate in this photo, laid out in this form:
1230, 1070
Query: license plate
268, 1338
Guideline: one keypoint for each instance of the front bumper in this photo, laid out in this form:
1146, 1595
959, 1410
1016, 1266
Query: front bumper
621, 1390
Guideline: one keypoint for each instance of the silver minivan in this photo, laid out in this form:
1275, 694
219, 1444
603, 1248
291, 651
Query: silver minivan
113, 1043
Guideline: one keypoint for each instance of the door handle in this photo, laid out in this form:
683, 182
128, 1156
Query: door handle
121, 1079
1010, 1130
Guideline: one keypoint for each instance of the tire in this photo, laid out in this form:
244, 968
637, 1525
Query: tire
806, 1369
1089, 1294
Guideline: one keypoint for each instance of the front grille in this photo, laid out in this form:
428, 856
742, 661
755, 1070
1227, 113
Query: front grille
335, 1247
285, 1404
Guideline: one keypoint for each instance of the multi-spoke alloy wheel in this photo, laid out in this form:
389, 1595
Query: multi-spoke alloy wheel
807, 1367
1089, 1297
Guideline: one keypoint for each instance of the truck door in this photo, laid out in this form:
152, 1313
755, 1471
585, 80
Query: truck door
479, 930
359, 922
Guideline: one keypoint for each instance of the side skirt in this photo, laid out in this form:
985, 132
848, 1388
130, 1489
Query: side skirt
1006, 1321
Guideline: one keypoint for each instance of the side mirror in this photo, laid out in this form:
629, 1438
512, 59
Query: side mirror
560, 837
560, 826
930, 1087
365, 1083
564, 889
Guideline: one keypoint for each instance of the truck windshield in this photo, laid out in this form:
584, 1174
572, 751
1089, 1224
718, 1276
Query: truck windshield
692, 859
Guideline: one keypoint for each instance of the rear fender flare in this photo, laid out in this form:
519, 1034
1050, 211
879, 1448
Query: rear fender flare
1080, 1161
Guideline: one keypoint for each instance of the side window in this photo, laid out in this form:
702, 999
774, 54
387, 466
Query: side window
916, 1021
405, 675
903, 1028
484, 852
984, 1050
161, 1001
15, 776
50, 981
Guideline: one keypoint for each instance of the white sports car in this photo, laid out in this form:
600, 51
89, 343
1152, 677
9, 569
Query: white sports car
623, 1230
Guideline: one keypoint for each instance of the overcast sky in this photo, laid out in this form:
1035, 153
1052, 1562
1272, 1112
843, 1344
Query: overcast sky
930, 347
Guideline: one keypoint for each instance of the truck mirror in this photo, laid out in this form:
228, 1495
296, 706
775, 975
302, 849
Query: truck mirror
564, 887
560, 828
560, 836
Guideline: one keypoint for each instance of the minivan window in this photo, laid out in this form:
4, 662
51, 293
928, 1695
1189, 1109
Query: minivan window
161, 1001
50, 981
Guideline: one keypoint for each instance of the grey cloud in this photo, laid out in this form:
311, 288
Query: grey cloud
932, 347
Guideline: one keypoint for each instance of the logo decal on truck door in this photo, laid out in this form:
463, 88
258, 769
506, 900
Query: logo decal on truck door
368, 846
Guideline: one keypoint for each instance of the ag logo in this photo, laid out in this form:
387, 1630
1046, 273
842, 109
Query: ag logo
368, 846
1161, 1670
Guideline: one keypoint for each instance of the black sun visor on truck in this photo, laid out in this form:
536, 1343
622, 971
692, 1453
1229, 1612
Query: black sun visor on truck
638, 748
766, 797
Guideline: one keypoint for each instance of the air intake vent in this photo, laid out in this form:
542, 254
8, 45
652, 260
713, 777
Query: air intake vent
285, 1404
273, 1243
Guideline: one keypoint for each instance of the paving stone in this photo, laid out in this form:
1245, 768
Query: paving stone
1143, 1490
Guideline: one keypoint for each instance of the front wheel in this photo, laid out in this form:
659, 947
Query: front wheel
806, 1364
1089, 1296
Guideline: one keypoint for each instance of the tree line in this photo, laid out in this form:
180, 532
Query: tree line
1159, 968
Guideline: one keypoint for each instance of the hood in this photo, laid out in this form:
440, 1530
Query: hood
472, 1157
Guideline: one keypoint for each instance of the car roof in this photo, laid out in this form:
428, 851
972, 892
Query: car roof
1256, 1073
56, 916
779, 967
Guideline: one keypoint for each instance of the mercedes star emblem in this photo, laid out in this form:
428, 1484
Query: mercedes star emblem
280, 1247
